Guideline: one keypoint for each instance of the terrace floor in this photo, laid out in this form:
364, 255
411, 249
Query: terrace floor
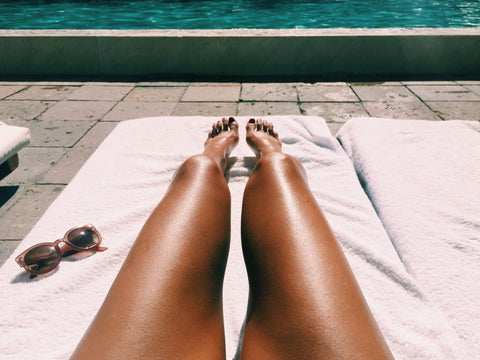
68, 120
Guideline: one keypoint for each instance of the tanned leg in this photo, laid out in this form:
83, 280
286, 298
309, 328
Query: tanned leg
304, 300
166, 302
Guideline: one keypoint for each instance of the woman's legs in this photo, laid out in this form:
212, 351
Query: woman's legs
304, 300
166, 302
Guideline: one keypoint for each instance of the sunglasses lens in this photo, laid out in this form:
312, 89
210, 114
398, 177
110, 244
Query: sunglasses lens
42, 258
83, 238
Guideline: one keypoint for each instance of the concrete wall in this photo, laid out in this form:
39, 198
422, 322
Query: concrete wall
316, 54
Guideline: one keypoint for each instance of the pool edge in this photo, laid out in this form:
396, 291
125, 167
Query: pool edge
317, 54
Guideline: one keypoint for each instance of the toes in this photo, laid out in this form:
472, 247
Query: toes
265, 126
232, 123
259, 124
225, 124
270, 129
251, 125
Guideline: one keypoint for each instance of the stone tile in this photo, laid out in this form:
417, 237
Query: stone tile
34, 162
329, 83
212, 93
468, 82
382, 93
205, 109
44, 92
96, 135
126, 110
56, 133
411, 109
326, 93
67, 167
7, 248
258, 108
428, 82
456, 110
214, 84
22, 216
333, 112
7, 90
372, 84
268, 92
443, 93
78, 110
56, 83
163, 83
168, 94
475, 88
22, 110
99, 92
334, 127
112, 83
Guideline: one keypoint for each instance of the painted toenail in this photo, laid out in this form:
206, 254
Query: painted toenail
251, 121
231, 119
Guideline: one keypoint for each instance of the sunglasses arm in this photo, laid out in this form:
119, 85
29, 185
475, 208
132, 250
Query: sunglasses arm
66, 249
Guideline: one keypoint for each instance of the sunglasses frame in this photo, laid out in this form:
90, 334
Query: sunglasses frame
61, 251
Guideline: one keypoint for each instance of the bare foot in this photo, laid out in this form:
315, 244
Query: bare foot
262, 138
221, 141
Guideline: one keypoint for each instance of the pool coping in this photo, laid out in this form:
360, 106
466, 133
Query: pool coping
315, 54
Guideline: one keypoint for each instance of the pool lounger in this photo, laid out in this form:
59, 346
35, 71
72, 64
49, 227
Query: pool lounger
12, 140
125, 178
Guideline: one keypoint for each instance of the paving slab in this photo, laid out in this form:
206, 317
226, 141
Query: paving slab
44, 92
55, 133
334, 127
22, 216
382, 93
333, 112
34, 162
169, 94
7, 90
468, 82
7, 248
475, 88
373, 84
111, 83
94, 137
330, 93
11, 110
205, 109
78, 110
212, 93
257, 108
127, 110
407, 109
67, 167
268, 92
163, 83
456, 110
429, 82
100, 93
214, 84
444, 93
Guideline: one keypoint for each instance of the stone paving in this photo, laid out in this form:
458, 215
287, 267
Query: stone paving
68, 120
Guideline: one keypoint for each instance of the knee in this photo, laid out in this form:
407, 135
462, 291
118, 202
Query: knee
278, 162
204, 169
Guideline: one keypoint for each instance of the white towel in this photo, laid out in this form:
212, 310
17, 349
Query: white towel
12, 139
423, 178
120, 185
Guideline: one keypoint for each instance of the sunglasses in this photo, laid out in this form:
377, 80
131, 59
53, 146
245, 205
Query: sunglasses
44, 257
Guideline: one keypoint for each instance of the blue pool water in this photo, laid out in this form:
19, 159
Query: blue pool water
229, 14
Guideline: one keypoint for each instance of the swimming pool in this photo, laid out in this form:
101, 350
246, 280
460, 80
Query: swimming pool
231, 14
